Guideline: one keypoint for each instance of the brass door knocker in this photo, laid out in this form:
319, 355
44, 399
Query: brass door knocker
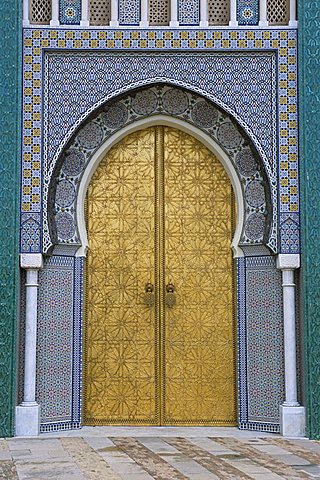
170, 297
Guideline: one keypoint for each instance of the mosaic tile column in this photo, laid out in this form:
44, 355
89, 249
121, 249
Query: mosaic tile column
10, 42
309, 61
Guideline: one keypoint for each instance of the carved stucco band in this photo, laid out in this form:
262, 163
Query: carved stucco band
184, 110
10, 41
309, 73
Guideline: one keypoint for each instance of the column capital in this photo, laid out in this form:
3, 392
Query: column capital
31, 261
288, 261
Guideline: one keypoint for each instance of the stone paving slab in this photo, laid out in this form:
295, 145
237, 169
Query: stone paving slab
116, 453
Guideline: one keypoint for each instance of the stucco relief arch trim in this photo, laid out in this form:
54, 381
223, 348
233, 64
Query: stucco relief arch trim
170, 122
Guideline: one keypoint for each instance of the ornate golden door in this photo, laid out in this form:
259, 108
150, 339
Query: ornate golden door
159, 330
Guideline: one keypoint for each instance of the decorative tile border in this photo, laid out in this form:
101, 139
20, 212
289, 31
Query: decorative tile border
77, 339
38, 41
242, 341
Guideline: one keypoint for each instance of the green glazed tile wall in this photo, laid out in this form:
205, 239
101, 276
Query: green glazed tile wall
309, 73
10, 101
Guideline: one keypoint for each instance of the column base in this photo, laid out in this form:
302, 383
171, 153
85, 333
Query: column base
84, 23
27, 420
54, 23
173, 23
263, 23
292, 421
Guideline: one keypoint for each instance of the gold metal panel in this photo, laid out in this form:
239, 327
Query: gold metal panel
199, 341
121, 365
159, 346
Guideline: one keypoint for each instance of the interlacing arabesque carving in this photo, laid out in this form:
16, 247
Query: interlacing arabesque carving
180, 104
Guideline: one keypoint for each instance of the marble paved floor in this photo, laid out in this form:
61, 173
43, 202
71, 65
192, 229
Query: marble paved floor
107, 453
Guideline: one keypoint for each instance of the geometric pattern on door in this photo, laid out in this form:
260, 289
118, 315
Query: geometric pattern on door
159, 217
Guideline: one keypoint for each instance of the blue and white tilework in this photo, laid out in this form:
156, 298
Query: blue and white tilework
40, 151
227, 72
243, 84
183, 105
290, 232
30, 232
189, 12
260, 343
129, 12
59, 341
70, 12
248, 12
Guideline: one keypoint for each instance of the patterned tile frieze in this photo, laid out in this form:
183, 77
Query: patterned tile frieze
182, 105
77, 98
260, 337
77, 340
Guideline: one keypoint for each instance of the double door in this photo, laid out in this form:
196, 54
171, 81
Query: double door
159, 346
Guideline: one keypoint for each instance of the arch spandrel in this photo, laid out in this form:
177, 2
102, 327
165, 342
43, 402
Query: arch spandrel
255, 191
